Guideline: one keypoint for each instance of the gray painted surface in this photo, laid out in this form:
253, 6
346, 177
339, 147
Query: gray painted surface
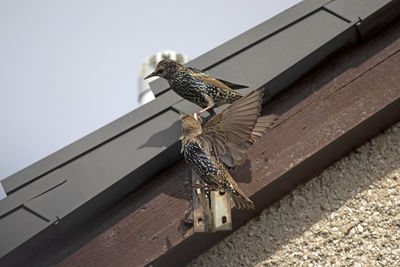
358, 9
89, 142
18, 227
79, 181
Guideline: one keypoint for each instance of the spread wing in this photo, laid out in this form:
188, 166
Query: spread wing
262, 126
231, 132
204, 77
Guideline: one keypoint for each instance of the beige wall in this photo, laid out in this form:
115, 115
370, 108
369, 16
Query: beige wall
347, 216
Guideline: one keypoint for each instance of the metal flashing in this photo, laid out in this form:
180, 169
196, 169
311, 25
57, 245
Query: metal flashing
89, 142
356, 10
368, 15
24, 195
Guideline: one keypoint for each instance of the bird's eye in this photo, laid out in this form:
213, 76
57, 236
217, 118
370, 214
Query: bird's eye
160, 71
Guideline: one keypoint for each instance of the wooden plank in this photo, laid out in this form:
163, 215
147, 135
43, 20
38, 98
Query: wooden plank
336, 108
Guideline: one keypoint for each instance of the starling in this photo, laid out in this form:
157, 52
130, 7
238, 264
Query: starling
222, 142
196, 86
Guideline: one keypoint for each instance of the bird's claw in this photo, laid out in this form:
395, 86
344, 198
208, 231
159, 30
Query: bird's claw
204, 109
206, 188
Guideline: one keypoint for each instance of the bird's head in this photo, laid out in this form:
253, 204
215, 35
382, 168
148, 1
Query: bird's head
191, 126
166, 68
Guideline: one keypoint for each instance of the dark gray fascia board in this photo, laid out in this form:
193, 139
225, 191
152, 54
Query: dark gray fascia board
89, 142
369, 15
37, 188
356, 10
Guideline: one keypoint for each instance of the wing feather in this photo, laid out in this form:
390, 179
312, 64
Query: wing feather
262, 126
231, 130
204, 77
233, 85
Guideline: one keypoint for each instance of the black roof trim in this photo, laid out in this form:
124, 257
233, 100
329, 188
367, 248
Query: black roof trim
89, 142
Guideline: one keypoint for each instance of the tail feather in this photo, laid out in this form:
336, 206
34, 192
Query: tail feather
242, 202
240, 199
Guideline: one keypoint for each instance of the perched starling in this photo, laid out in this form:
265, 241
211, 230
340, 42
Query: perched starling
223, 142
196, 86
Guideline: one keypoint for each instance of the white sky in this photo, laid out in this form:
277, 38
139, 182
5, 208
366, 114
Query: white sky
68, 68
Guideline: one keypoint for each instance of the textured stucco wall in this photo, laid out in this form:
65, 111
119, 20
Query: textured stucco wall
347, 216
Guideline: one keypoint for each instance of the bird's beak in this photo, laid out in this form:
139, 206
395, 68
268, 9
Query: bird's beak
150, 75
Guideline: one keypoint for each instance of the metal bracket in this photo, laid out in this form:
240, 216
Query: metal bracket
211, 210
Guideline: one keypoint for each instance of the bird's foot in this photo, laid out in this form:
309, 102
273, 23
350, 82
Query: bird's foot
206, 188
204, 109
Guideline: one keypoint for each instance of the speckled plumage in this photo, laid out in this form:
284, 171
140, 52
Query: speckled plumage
214, 173
223, 142
196, 86
202, 162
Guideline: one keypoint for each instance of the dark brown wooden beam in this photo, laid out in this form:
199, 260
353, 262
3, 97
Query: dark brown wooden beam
337, 107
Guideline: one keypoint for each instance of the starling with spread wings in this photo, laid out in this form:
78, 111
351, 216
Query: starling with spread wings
196, 86
222, 142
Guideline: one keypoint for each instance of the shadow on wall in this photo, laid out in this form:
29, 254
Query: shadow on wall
322, 212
